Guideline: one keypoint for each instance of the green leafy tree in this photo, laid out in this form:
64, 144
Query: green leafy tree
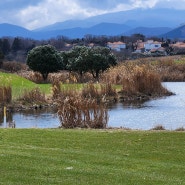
78, 59
101, 59
94, 60
44, 59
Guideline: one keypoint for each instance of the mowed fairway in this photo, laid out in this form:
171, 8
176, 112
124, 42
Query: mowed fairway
58, 156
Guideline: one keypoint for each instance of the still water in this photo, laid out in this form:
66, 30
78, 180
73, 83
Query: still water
167, 111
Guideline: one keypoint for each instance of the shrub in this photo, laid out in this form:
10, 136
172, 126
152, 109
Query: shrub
180, 129
158, 127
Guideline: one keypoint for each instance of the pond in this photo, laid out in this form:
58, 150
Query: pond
167, 111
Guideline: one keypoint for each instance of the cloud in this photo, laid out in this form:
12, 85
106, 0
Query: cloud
51, 11
33, 14
180, 4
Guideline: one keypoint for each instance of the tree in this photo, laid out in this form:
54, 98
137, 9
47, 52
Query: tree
78, 59
1, 58
101, 59
94, 60
5, 46
44, 59
17, 44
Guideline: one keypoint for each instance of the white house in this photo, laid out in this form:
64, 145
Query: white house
117, 46
150, 45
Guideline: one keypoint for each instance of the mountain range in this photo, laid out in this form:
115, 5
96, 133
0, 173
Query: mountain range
149, 22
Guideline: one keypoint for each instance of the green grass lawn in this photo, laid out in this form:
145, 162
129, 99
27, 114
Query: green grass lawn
20, 84
54, 156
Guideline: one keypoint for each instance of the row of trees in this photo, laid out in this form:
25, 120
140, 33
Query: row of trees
46, 59
17, 48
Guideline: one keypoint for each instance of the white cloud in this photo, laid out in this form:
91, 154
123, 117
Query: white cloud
52, 11
33, 14
144, 3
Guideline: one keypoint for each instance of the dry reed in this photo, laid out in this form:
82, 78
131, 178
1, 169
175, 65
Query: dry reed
33, 96
5, 94
76, 112
136, 78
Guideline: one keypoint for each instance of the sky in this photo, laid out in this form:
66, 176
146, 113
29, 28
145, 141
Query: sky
33, 14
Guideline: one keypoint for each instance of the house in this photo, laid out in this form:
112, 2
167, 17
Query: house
139, 47
178, 48
150, 44
117, 46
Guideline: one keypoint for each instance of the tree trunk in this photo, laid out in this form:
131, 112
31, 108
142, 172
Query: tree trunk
45, 76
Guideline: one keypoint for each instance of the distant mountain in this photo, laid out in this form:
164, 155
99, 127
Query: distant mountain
67, 25
149, 22
13, 31
108, 29
132, 18
149, 31
178, 33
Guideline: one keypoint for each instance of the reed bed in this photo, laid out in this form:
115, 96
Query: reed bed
33, 96
136, 78
83, 109
5, 94
76, 111
91, 90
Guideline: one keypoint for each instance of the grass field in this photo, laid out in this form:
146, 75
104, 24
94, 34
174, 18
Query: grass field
54, 156
19, 84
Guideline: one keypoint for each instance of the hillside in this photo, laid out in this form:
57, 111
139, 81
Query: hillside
13, 30
176, 33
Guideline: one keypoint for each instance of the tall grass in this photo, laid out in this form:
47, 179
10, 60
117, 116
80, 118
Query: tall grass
33, 96
5, 94
84, 109
84, 113
136, 78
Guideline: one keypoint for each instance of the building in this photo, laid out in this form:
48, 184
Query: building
117, 46
150, 45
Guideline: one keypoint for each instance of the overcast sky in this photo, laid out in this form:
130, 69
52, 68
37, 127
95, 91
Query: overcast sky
37, 13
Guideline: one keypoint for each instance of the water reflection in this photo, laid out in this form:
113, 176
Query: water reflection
32, 118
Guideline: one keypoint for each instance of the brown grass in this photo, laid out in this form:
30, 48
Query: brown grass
5, 94
13, 66
82, 112
90, 91
136, 78
33, 96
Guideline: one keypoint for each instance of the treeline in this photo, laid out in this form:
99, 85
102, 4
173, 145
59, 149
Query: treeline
16, 49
